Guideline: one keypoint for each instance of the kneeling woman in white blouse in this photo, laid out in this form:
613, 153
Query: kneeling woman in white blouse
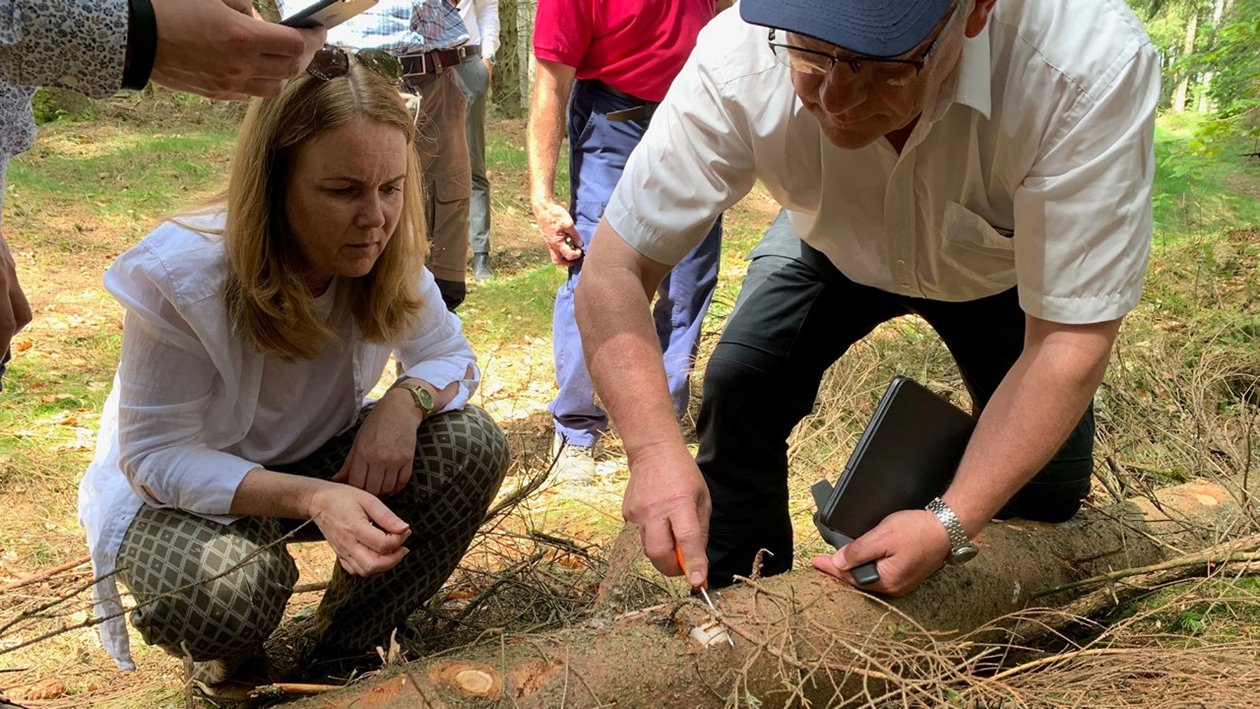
253, 332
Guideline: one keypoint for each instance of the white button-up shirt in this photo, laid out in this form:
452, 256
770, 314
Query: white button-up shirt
192, 399
1036, 172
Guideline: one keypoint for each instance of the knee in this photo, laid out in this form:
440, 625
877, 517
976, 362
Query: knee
731, 374
471, 443
1054, 496
221, 615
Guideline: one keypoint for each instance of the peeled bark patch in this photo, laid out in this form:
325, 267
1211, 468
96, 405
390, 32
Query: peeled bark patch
806, 636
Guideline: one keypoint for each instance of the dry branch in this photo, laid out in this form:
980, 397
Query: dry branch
807, 639
44, 574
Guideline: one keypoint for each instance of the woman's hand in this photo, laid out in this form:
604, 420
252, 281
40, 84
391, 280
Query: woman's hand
367, 537
384, 448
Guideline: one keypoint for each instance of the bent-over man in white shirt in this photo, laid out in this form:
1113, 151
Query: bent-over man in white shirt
985, 165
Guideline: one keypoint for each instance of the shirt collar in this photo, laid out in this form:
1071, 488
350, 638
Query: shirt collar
975, 75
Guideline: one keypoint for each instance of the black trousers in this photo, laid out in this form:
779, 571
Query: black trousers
796, 315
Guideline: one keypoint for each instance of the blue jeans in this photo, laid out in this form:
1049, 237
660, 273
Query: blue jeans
599, 148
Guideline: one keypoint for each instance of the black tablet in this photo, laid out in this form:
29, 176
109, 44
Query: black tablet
906, 456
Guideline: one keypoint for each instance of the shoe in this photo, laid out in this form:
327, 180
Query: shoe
481, 269
231, 681
573, 463
291, 650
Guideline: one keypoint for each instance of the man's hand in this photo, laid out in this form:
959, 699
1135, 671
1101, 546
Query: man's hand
367, 537
15, 311
217, 48
908, 546
384, 449
667, 498
558, 232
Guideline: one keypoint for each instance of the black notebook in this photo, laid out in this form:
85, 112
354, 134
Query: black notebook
906, 456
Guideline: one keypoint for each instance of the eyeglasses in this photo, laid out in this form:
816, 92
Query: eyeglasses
893, 72
331, 62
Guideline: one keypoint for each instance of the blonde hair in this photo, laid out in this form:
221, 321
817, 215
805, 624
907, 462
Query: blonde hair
267, 298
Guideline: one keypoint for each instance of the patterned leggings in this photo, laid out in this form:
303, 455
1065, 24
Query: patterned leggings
460, 461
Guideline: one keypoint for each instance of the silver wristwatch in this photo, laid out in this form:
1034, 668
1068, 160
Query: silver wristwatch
961, 550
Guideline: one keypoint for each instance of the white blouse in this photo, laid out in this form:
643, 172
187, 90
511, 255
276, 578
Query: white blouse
195, 407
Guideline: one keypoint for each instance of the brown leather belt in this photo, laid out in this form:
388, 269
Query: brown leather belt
437, 60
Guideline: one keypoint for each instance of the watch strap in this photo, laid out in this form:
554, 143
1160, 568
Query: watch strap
957, 534
421, 396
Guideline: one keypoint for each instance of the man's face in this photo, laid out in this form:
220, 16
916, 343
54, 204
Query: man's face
855, 109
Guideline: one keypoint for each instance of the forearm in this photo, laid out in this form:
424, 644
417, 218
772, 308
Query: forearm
622, 352
546, 129
1029, 417
266, 493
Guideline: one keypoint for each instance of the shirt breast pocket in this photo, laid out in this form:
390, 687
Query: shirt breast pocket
973, 245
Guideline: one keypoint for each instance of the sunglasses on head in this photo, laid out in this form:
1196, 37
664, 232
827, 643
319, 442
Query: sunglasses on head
332, 62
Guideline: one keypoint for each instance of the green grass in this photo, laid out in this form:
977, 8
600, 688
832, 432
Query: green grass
1201, 184
1213, 611
514, 306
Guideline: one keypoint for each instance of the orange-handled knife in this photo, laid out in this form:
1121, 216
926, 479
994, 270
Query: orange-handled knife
704, 585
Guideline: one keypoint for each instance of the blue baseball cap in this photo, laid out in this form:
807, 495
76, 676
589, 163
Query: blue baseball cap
876, 28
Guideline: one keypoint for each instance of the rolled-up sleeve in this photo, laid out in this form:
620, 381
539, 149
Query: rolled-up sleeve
436, 350
166, 380
74, 44
1083, 214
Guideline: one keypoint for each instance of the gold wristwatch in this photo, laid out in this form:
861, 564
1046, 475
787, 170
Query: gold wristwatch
422, 397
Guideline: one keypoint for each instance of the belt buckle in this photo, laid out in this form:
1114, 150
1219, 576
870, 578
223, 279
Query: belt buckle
414, 61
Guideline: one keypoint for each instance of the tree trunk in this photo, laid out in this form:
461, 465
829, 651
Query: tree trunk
510, 73
804, 636
1187, 48
1219, 10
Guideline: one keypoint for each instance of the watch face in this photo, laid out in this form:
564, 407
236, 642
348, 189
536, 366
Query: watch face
425, 398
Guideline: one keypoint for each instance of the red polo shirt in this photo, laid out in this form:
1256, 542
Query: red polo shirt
636, 46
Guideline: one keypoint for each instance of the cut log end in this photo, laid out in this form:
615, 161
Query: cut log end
469, 679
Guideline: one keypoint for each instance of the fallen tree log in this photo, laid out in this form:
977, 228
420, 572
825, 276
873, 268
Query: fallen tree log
803, 637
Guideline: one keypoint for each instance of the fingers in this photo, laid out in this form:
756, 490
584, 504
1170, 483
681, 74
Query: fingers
217, 48
384, 518
691, 542
15, 310
266, 38
365, 563
906, 547
658, 545
404, 477
377, 544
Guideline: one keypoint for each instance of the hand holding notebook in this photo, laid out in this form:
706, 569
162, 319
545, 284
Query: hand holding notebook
906, 456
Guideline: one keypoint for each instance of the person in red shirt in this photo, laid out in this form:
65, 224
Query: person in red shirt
610, 64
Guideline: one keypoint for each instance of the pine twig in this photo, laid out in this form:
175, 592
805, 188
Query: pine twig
1229, 554
45, 574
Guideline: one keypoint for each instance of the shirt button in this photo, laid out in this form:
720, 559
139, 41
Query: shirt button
901, 262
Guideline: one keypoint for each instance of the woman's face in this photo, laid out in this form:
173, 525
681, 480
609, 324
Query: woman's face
344, 197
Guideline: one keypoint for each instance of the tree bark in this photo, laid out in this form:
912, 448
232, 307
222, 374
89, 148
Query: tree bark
801, 635
1187, 48
1219, 9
